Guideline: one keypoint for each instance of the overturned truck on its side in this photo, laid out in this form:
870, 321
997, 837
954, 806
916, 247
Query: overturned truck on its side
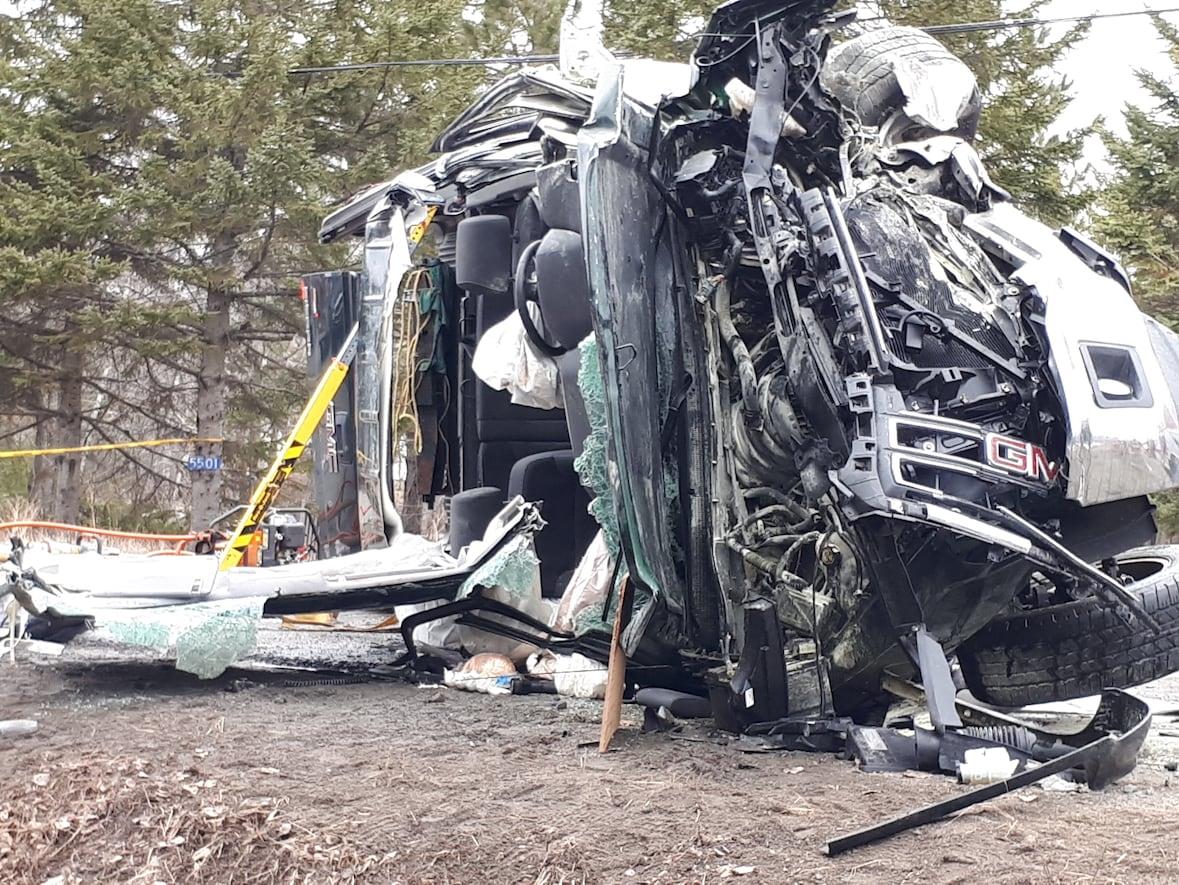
773, 347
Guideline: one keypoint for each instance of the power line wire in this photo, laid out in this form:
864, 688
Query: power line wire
958, 28
423, 62
993, 25
1005, 24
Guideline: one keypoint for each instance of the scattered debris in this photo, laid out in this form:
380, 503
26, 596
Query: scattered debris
486, 673
1059, 784
1106, 751
986, 765
12, 728
576, 676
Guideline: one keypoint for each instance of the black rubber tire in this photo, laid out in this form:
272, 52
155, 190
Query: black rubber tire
860, 74
1070, 651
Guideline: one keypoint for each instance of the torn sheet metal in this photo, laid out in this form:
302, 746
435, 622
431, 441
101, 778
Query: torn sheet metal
148, 607
1121, 445
476, 124
141, 580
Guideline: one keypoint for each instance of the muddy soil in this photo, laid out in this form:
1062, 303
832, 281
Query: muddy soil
140, 773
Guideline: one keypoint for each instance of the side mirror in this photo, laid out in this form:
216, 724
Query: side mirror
483, 255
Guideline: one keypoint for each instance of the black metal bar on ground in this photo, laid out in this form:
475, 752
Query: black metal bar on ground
468, 604
940, 810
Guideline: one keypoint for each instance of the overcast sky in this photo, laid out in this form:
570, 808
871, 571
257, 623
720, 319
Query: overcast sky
1102, 68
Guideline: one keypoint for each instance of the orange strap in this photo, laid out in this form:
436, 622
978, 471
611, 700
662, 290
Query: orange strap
91, 530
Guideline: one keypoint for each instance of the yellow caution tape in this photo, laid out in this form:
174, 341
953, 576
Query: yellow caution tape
109, 447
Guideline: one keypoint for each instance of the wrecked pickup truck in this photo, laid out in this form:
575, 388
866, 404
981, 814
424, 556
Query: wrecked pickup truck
837, 407
760, 337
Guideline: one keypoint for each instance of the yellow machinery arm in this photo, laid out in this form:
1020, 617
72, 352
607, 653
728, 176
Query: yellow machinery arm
267, 489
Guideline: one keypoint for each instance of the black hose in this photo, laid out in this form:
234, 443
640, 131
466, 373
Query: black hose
783, 505
1014, 736
766, 492
746, 374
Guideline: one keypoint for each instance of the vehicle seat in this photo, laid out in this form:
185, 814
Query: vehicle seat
549, 480
504, 432
508, 432
471, 512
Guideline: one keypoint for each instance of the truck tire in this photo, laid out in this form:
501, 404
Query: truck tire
861, 75
1061, 652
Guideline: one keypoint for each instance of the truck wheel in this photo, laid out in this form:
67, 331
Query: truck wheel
861, 74
1078, 649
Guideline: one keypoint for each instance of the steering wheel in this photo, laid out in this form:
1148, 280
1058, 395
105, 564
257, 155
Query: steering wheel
525, 291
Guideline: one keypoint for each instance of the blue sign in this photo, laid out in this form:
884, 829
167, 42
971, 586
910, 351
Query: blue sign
198, 463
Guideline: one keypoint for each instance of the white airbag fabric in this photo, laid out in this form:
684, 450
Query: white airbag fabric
506, 360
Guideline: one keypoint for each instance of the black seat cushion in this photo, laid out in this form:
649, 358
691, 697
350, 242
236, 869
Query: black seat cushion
549, 479
471, 513
504, 431
495, 459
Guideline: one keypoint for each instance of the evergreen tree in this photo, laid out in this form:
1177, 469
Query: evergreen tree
495, 27
59, 185
1138, 217
242, 167
1140, 203
666, 31
162, 183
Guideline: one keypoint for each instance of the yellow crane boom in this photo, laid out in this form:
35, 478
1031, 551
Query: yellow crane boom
267, 489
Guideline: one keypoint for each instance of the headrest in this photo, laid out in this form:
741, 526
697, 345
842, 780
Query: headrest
483, 255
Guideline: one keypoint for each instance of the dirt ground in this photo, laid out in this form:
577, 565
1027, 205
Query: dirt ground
140, 773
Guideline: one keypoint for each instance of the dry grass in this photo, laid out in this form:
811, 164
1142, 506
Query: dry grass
18, 510
97, 818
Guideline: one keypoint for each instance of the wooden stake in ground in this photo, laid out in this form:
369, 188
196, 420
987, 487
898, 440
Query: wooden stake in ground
616, 677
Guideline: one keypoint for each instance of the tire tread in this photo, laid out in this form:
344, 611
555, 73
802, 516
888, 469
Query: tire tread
1078, 649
